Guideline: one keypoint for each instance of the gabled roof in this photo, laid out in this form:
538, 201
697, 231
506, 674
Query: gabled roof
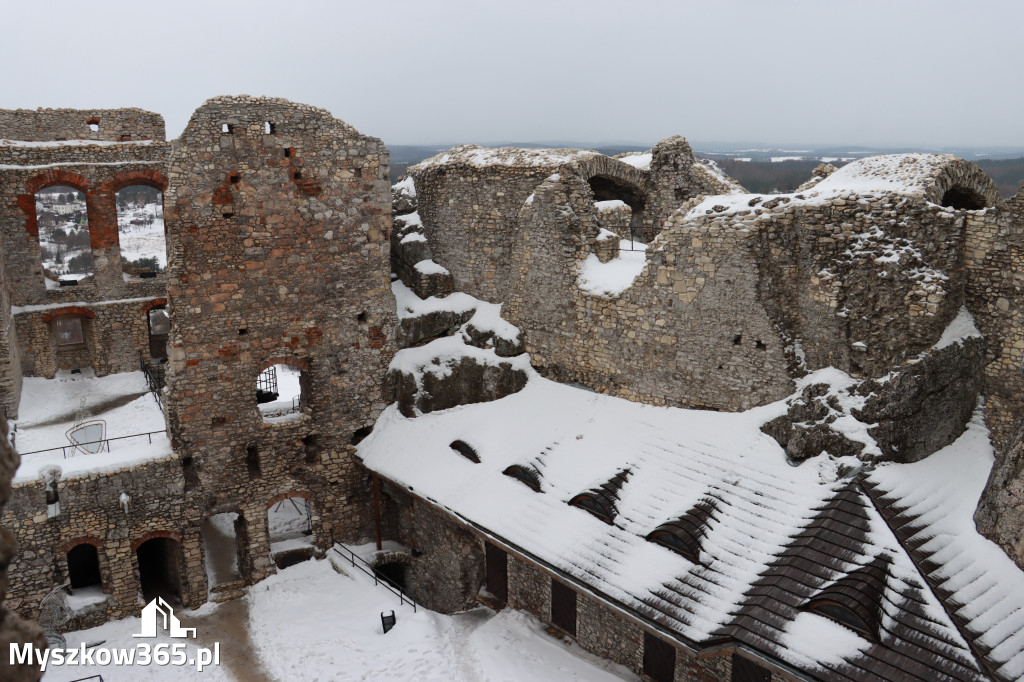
781, 536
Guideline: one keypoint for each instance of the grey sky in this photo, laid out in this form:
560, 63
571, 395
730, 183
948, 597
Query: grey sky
887, 72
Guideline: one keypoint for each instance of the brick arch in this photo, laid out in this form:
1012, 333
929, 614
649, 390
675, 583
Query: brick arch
284, 496
172, 534
155, 303
139, 176
27, 201
69, 311
81, 540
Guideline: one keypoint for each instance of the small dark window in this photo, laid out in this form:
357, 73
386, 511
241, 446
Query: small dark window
268, 128
234, 178
465, 450
563, 607
594, 506
84, 566
288, 153
228, 214
737, 340
297, 175
528, 476
675, 543
243, 332
252, 462
659, 659
759, 345
361, 317
311, 444
744, 670
218, 421
69, 331
359, 434
841, 615
188, 470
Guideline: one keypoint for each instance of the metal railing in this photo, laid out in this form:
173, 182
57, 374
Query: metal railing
156, 377
378, 578
104, 441
88, 679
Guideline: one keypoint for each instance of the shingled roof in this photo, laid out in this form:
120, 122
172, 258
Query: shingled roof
780, 540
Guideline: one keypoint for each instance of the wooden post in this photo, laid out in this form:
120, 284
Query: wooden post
376, 508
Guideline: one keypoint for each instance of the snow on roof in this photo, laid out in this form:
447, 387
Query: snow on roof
579, 440
482, 157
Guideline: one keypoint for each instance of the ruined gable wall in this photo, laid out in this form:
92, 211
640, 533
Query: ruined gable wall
279, 253
73, 124
670, 337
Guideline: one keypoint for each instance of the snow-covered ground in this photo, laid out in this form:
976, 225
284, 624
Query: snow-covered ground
310, 623
49, 407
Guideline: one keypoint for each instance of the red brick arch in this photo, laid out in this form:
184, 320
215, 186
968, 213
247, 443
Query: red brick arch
172, 534
27, 201
284, 496
81, 540
69, 311
139, 176
155, 303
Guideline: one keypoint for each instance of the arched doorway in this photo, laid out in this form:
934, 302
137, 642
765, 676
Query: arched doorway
84, 566
160, 569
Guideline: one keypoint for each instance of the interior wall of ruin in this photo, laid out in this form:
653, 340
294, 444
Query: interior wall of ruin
110, 125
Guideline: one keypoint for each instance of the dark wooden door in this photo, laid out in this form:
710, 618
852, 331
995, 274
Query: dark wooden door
563, 607
748, 671
659, 659
497, 571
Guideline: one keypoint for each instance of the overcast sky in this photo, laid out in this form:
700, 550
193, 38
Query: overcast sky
787, 72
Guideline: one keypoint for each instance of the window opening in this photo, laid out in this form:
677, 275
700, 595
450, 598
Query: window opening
188, 470
466, 450
94, 127
600, 501
222, 549
227, 128
963, 198
159, 329
619, 208
311, 444
140, 231
50, 478
685, 534
268, 128
69, 331
65, 249
526, 475
279, 392
252, 462
290, 526
84, 566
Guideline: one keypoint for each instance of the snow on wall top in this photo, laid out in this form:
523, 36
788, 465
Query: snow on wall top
578, 440
483, 157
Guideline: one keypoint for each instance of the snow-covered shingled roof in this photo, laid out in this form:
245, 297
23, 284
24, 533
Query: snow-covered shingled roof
752, 557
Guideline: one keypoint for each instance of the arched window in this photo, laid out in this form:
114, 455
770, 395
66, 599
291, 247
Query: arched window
466, 450
280, 392
600, 501
526, 475
64, 246
140, 231
685, 534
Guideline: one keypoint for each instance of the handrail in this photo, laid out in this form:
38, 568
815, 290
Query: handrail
72, 446
373, 573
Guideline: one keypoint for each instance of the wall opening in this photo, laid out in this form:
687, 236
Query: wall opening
84, 567
159, 329
160, 562
65, 249
963, 198
619, 208
497, 571
280, 392
222, 551
188, 470
393, 571
290, 519
140, 231
659, 659
252, 462
70, 331
563, 607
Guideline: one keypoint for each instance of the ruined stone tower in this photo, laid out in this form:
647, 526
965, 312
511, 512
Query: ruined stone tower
277, 218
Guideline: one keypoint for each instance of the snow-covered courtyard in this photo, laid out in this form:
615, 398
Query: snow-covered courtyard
312, 623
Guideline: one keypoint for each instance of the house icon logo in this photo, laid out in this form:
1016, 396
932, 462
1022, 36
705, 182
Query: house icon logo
158, 610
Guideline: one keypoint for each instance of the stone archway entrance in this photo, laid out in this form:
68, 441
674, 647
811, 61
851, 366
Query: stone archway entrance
160, 570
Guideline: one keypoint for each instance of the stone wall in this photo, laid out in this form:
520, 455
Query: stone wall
13, 630
448, 570
278, 219
41, 125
